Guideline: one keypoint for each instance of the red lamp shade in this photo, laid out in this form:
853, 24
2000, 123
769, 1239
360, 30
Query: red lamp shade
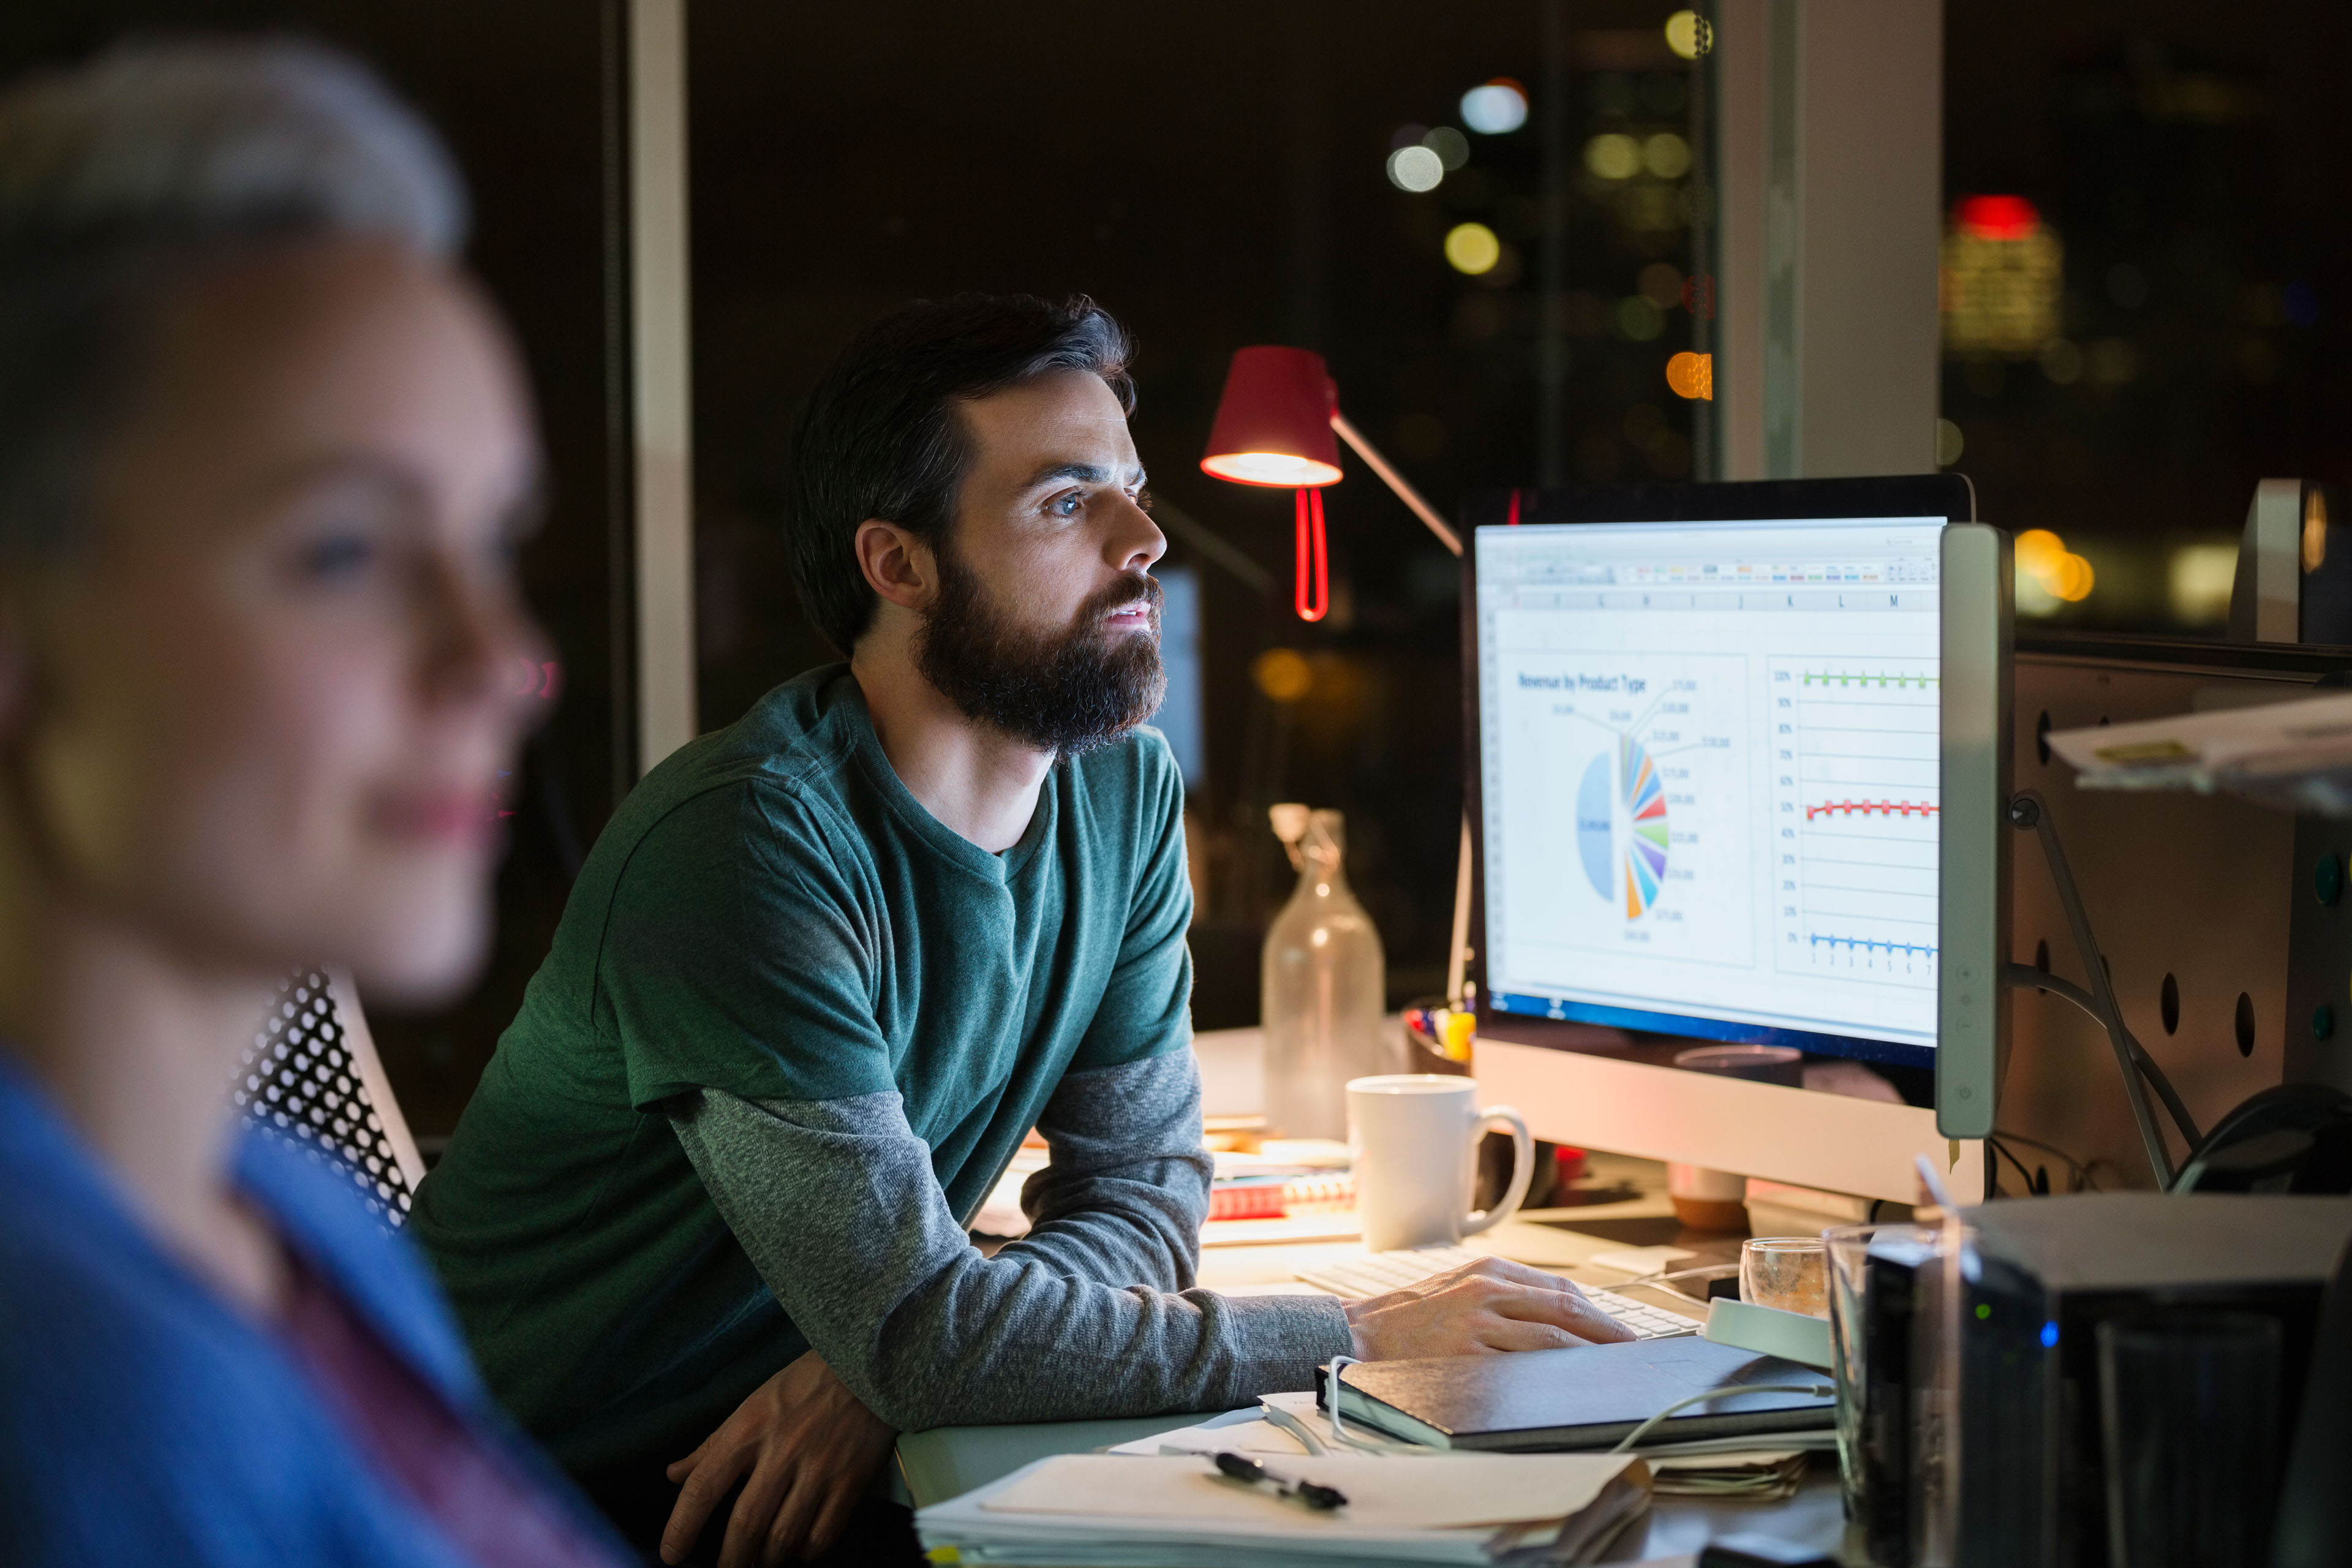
1273, 422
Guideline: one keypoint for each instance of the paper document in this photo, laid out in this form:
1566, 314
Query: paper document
2295, 754
1108, 1511
1383, 1494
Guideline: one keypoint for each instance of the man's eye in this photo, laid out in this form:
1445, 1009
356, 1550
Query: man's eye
1065, 505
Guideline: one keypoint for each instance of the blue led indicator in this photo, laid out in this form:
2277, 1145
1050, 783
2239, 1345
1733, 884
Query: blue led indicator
2049, 1336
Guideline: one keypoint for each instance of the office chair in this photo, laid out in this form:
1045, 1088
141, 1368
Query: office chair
312, 1078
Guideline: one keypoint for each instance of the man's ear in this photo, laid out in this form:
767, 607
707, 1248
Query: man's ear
899, 567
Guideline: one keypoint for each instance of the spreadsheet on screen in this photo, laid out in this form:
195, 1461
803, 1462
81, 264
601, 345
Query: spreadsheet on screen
1709, 777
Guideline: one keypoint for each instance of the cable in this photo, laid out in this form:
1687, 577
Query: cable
2027, 810
2075, 1169
1638, 1433
1377, 1444
2032, 1188
2024, 975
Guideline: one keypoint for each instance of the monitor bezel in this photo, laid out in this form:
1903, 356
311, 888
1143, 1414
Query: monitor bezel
1947, 496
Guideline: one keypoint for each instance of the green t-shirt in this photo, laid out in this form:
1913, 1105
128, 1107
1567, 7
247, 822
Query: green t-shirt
772, 914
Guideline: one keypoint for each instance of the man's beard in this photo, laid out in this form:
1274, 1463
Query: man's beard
1063, 692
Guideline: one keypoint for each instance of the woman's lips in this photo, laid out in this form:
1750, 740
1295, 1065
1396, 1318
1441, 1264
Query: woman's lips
454, 816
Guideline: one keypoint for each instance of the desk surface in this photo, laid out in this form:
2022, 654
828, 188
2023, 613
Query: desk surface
949, 1461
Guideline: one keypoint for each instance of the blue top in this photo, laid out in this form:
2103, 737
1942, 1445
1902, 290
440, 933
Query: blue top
143, 1420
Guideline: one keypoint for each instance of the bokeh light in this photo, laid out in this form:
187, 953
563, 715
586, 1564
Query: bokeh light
1666, 155
1495, 109
1689, 35
1415, 169
2048, 573
2198, 580
1613, 156
1691, 376
1473, 247
1949, 443
2003, 273
1638, 321
1283, 674
1996, 218
1453, 148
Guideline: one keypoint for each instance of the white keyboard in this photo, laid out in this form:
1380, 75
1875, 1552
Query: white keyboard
1378, 1273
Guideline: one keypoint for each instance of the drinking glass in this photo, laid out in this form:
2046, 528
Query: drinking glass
1873, 1405
1790, 1273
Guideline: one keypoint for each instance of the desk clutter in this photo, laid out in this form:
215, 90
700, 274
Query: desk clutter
1257, 1486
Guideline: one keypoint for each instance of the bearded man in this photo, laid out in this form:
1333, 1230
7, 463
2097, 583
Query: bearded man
827, 968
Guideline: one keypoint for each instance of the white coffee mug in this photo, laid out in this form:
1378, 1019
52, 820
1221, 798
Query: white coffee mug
1415, 1140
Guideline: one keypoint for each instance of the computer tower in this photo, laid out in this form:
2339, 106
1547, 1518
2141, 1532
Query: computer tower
2042, 1275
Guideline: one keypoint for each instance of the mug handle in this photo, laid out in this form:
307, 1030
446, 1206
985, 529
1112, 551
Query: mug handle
1523, 1166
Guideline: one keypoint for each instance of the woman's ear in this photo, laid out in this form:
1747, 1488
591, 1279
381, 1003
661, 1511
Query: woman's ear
899, 566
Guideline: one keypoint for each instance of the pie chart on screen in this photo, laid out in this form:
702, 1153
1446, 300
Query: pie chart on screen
1595, 834
1645, 810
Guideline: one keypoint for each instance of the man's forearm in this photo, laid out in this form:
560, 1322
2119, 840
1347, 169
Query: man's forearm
1123, 1198
836, 1204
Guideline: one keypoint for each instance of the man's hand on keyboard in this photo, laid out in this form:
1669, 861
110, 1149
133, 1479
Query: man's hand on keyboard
1489, 1305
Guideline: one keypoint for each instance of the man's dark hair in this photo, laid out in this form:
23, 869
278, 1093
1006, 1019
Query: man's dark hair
879, 436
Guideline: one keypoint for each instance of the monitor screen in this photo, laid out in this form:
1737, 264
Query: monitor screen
1709, 778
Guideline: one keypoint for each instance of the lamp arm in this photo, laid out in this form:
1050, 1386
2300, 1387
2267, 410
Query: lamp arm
1396, 481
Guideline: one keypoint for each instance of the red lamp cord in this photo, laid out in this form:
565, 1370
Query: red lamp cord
1310, 528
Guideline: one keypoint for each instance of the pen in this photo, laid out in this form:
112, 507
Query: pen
1307, 1493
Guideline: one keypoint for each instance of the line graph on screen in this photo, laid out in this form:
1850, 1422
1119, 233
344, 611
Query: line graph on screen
1855, 815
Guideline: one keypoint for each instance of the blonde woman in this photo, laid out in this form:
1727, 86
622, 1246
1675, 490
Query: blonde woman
263, 454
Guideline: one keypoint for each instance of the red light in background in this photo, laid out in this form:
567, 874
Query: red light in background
1996, 218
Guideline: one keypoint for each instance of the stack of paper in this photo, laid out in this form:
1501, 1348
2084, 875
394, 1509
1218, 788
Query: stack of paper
1111, 1510
1754, 1476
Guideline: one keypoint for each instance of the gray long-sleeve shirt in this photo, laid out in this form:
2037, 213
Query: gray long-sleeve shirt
1092, 1314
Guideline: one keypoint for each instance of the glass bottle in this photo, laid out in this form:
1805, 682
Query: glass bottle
1325, 989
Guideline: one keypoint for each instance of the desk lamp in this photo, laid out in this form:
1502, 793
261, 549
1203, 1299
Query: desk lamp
1273, 427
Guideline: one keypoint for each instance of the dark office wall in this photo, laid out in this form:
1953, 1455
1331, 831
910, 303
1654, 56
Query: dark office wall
1213, 173
517, 89
2189, 156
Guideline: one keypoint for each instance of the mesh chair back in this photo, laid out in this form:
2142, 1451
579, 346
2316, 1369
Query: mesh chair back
312, 1079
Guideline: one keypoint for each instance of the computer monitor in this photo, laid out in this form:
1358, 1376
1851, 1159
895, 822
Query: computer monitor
1737, 769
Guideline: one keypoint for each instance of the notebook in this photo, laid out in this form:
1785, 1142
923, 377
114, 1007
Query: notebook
1591, 1396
